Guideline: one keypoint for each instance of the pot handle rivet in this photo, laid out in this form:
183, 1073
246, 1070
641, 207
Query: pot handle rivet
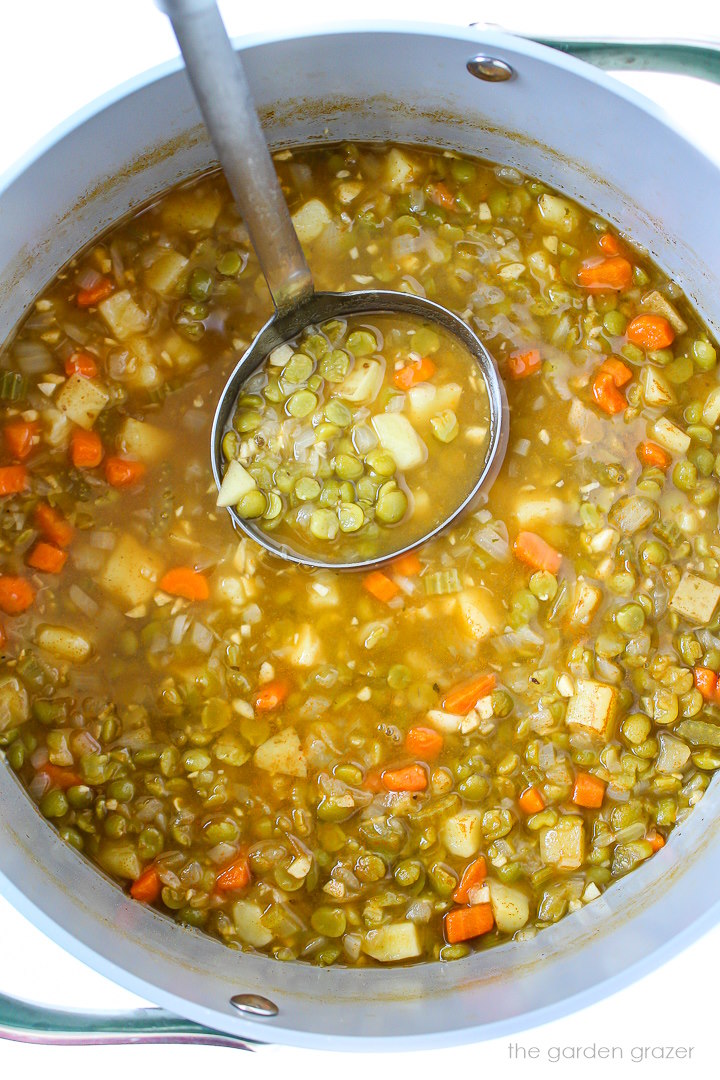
254, 1005
489, 69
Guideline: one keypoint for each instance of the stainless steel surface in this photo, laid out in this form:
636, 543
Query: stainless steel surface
224, 97
254, 1005
490, 69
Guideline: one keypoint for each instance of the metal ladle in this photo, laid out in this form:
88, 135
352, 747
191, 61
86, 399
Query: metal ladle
224, 97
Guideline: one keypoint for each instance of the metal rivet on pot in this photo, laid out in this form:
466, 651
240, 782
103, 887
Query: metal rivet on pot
489, 69
254, 1005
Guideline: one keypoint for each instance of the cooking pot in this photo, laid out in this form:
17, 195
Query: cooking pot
483, 93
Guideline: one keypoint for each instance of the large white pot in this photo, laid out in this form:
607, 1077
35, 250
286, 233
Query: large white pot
558, 119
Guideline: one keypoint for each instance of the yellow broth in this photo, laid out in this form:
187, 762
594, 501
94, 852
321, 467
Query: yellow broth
347, 769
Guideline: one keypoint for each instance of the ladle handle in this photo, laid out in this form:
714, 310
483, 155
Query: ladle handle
224, 97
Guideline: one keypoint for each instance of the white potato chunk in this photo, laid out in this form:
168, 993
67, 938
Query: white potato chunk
585, 602
247, 917
123, 316
592, 707
63, 642
511, 907
399, 169
540, 508
424, 400
657, 304
393, 942
282, 753
695, 598
311, 220
711, 411
670, 436
182, 352
462, 833
674, 754
305, 648
363, 383
165, 272
656, 390
131, 572
236, 483
479, 614
400, 439
563, 845
82, 400
446, 722
348, 191
141, 440
190, 210
557, 213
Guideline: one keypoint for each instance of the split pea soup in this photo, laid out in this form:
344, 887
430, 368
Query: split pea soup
357, 439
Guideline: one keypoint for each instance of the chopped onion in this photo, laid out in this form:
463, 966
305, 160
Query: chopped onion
493, 540
414, 285
222, 853
39, 757
179, 626
103, 539
364, 438
33, 357
252, 614
38, 785
420, 911
83, 602
88, 278
194, 419
396, 403
521, 447
202, 637
407, 244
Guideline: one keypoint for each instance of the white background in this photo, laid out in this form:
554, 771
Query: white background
56, 56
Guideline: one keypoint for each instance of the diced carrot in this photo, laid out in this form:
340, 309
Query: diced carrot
441, 196
186, 582
606, 394
94, 294
464, 923
464, 697
20, 437
3, 637
16, 594
473, 874
380, 586
123, 472
234, 876
147, 887
650, 332
589, 791
86, 449
651, 454
373, 781
610, 245
424, 742
706, 681
522, 364
53, 525
531, 801
13, 478
81, 363
657, 840
271, 695
407, 565
411, 778
60, 777
46, 557
606, 275
416, 371
535, 552
619, 373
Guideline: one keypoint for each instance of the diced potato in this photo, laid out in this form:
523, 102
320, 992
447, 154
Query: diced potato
400, 439
236, 483
82, 400
399, 169
511, 907
631, 513
142, 440
311, 220
363, 383
190, 210
305, 648
557, 213
592, 707
670, 436
393, 942
348, 191
446, 722
247, 917
657, 304
123, 316
585, 602
479, 614
462, 833
131, 572
540, 508
323, 591
164, 274
711, 411
695, 598
424, 400
563, 845
63, 642
282, 753
14, 703
182, 352
56, 428
674, 754
656, 390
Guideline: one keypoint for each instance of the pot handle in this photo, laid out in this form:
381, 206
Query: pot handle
21, 1021
700, 59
